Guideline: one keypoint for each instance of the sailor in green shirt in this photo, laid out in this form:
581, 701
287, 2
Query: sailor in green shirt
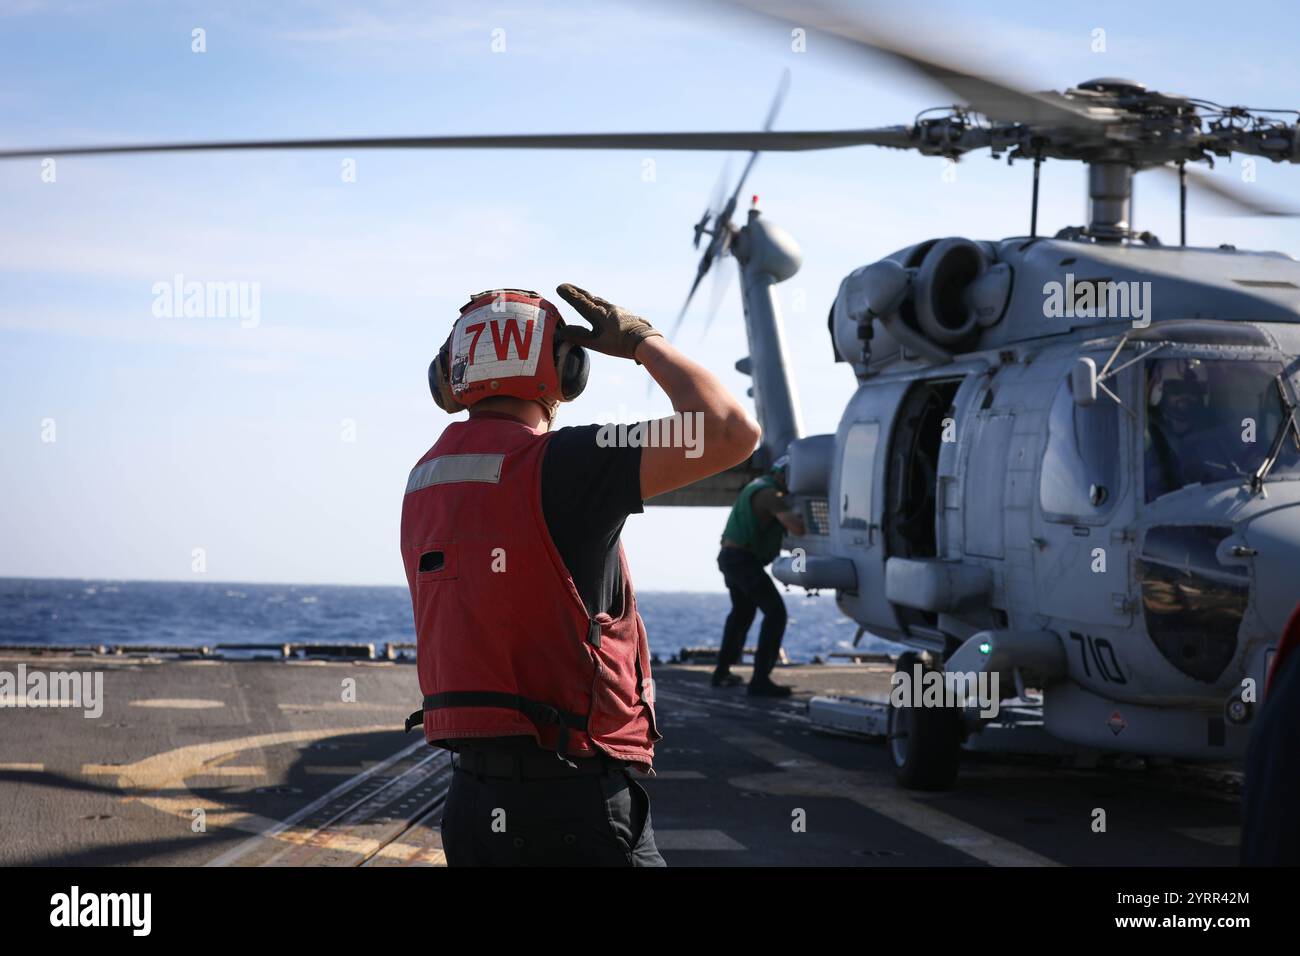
751, 540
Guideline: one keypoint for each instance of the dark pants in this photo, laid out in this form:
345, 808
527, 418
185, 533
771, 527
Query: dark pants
576, 820
751, 590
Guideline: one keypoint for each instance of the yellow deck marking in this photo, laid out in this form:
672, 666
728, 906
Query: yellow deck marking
159, 781
429, 856
30, 767
288, 831
232, 772
411, 854
421, 845
361, 847
879, 794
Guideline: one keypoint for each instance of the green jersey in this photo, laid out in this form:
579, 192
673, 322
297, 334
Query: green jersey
745, 528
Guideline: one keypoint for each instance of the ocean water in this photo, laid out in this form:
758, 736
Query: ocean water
63, 612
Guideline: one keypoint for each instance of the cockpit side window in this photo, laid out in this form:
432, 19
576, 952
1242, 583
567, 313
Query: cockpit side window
1211, 420
1081, 474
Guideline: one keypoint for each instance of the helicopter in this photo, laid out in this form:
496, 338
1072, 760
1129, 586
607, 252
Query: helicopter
1069, 462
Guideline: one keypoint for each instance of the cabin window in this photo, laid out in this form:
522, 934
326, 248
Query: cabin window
1080, 476
855, 475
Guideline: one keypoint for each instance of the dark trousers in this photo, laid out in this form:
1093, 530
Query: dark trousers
577, 820
751, 590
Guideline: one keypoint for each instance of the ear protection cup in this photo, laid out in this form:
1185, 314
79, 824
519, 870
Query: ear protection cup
574, 365
434, 390
440, 383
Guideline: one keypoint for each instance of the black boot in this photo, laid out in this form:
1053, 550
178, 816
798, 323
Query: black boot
766, 688
722, 677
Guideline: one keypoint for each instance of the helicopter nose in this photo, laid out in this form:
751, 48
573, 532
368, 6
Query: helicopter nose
1275, 539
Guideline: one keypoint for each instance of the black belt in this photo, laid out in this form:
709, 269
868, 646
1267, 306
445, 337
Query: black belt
529, 763
543, 715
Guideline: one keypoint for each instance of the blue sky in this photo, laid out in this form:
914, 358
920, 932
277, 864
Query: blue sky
174, 434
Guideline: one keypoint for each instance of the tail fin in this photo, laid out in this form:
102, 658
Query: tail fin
768, 255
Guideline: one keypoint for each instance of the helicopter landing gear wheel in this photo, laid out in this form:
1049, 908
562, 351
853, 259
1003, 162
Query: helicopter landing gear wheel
924, 742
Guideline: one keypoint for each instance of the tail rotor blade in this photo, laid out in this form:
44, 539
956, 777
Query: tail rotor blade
714, 210
721, 283
705, 263
721, 230
719, 194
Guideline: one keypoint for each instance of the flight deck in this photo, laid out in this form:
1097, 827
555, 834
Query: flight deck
199, 760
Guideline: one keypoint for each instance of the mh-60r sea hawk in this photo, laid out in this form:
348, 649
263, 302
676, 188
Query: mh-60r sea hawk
1069, 461
1099, 508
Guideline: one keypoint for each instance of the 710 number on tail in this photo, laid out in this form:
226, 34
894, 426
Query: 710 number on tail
1103, 656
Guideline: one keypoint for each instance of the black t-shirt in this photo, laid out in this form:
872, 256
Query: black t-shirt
587, 493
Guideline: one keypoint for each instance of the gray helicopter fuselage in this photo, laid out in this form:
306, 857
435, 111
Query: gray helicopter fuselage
966, 491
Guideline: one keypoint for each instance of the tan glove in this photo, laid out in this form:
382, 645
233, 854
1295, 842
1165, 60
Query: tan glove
614, 331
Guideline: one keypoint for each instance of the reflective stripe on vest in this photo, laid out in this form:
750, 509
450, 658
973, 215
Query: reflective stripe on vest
449, 468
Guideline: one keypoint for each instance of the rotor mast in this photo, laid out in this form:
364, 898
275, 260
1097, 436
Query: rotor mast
1110, 198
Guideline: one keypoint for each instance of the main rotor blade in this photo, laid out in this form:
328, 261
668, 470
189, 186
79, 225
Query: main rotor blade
1242, 203
782, 88
895, 136
996, 99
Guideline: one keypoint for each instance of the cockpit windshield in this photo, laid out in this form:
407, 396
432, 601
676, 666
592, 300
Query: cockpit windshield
1210, 420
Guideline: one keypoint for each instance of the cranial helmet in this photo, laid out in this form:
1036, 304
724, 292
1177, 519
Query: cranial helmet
780, 469
1185, 372
504, 343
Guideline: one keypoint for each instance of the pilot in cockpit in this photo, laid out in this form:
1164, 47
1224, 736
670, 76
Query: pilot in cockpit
1186, 442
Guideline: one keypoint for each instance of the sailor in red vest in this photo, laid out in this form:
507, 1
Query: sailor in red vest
532, 658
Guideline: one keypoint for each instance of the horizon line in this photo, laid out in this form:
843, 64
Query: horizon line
276, 584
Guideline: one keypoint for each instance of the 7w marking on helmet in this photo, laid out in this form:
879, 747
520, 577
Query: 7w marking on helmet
496, 347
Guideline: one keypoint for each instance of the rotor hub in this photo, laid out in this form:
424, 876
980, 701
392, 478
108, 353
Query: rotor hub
1112, 84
